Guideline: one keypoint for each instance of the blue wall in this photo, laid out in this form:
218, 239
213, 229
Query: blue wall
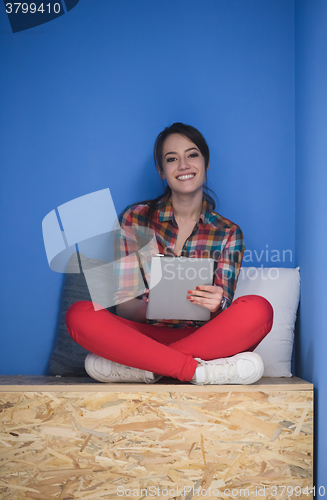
83, 98
311, 207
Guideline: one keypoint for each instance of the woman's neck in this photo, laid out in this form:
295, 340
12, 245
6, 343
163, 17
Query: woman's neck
187, 207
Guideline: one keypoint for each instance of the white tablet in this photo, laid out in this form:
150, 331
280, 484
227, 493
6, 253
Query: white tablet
170, 280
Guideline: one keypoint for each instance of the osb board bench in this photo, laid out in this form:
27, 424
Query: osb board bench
75, 438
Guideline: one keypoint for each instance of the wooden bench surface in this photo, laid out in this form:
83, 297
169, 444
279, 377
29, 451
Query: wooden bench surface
77, 438
22, 383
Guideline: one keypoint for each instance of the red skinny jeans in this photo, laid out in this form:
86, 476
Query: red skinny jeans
168, 351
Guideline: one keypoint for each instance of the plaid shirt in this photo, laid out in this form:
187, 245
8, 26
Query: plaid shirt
212, 236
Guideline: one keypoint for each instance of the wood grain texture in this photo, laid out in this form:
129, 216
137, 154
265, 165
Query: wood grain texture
70, 444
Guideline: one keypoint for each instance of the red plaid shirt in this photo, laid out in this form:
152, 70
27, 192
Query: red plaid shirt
212, 236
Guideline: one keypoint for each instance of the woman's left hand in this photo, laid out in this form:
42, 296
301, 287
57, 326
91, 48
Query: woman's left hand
208, 296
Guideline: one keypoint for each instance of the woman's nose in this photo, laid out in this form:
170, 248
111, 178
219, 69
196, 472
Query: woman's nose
183, 164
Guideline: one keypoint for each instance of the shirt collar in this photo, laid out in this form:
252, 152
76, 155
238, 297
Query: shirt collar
166, 211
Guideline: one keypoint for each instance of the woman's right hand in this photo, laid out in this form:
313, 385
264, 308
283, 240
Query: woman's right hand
145, 296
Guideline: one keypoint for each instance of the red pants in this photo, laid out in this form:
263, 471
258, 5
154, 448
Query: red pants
168, 351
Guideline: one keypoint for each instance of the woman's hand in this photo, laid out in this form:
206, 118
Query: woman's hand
208, 296
145, 296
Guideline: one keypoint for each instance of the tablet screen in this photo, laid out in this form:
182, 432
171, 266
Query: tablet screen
170, 280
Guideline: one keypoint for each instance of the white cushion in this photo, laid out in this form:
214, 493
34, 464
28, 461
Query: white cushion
281, 287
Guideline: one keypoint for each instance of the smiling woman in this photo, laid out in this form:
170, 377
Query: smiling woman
131, 348
196, 141
184, 169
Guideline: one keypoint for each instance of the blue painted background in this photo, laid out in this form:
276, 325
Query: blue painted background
311, 208
83, 98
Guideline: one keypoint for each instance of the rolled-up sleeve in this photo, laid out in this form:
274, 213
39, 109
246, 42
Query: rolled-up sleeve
229, 263
128, 277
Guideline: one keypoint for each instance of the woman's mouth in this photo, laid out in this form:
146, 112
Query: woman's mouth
185, 177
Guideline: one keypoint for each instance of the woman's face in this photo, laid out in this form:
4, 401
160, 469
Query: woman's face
183, 164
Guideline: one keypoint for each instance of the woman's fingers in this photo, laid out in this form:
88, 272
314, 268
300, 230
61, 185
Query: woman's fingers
206, 291
204, 300
208, 288
211, 305
145, 296
208, 296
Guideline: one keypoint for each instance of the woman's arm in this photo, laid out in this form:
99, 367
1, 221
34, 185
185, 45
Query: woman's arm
229, 264
226, 276
128, 275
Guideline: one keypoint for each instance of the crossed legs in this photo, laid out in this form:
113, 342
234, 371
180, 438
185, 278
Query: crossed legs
168, 351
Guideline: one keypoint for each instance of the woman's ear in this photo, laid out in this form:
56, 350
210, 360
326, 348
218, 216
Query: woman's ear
208, 166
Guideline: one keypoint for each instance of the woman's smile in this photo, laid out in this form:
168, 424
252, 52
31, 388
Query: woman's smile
185, 177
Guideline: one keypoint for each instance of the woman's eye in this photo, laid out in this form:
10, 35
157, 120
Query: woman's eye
193, 155
170, 159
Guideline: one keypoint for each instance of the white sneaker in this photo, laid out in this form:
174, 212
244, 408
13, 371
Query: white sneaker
243, 368
104, 370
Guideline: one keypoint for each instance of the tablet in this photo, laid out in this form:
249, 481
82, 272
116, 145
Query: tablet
170, 280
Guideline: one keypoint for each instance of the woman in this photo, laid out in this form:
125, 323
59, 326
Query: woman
129, 348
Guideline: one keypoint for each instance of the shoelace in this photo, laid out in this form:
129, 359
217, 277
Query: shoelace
220, 372
128, 373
